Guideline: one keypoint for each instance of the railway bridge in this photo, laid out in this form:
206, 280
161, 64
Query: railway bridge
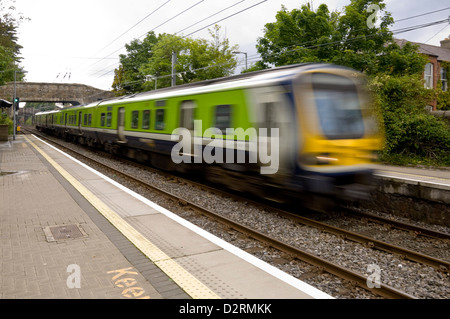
75, 94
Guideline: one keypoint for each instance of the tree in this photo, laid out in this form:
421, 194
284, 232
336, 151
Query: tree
395, 73
361, 41
128, 79
9, 48
203, 60
149, 63
344, 38
299, 36
159, 66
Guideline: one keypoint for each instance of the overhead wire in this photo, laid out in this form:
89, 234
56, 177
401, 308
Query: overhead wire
212, 15
129, 30
227, 17
135, 25
423, 14
436, 33
168, 20
301, 46
178, 14
397, 31
154, 11
220, 20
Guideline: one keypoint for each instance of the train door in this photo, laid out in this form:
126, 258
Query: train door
187, 110
273, 114
121, 124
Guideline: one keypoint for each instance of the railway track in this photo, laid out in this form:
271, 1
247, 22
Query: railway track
384, 291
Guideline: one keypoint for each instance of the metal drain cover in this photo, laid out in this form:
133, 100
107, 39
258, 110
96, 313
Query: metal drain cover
63, 232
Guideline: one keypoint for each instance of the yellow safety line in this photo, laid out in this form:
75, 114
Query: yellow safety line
191, 285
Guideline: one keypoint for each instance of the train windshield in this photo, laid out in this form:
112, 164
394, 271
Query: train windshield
338, 106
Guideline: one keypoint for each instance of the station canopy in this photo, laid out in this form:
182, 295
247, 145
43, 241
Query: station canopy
4, 103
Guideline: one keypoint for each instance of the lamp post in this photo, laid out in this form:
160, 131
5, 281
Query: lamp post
14, 107
245, 53
14, 104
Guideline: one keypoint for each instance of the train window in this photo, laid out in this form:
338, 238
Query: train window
160, 103
108, 119
135, 119
90, 120
187, 114
146, 119
222, 119
338, 106
159, 120
85, 119
102, 119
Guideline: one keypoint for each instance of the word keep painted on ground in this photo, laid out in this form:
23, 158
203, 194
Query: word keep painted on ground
124, 278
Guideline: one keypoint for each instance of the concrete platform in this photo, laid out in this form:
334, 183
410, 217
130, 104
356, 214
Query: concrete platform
420, 194
131, 248
435, 178
426, 184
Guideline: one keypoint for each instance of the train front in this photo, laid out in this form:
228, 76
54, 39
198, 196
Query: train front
339, 134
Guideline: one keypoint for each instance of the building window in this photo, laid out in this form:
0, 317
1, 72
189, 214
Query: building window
428, 76
444, 79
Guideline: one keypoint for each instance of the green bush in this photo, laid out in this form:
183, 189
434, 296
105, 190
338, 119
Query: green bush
413, 136
443, 100
4, 119
419, 136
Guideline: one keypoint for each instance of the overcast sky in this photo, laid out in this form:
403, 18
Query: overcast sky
84, 38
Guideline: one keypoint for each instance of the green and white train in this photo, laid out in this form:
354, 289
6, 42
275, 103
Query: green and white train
312, 124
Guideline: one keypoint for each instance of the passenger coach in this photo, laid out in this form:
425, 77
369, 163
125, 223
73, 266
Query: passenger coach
328, 131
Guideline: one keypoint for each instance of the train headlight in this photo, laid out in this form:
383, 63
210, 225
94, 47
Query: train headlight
318, 159
325, 160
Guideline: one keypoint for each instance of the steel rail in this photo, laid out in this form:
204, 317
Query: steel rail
400, 225
438, 264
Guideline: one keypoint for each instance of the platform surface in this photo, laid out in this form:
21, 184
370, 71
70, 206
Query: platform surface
129, 247
435, 178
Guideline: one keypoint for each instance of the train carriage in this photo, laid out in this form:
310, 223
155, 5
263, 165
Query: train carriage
303, 129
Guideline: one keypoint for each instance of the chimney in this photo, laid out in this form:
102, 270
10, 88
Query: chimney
446, 43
